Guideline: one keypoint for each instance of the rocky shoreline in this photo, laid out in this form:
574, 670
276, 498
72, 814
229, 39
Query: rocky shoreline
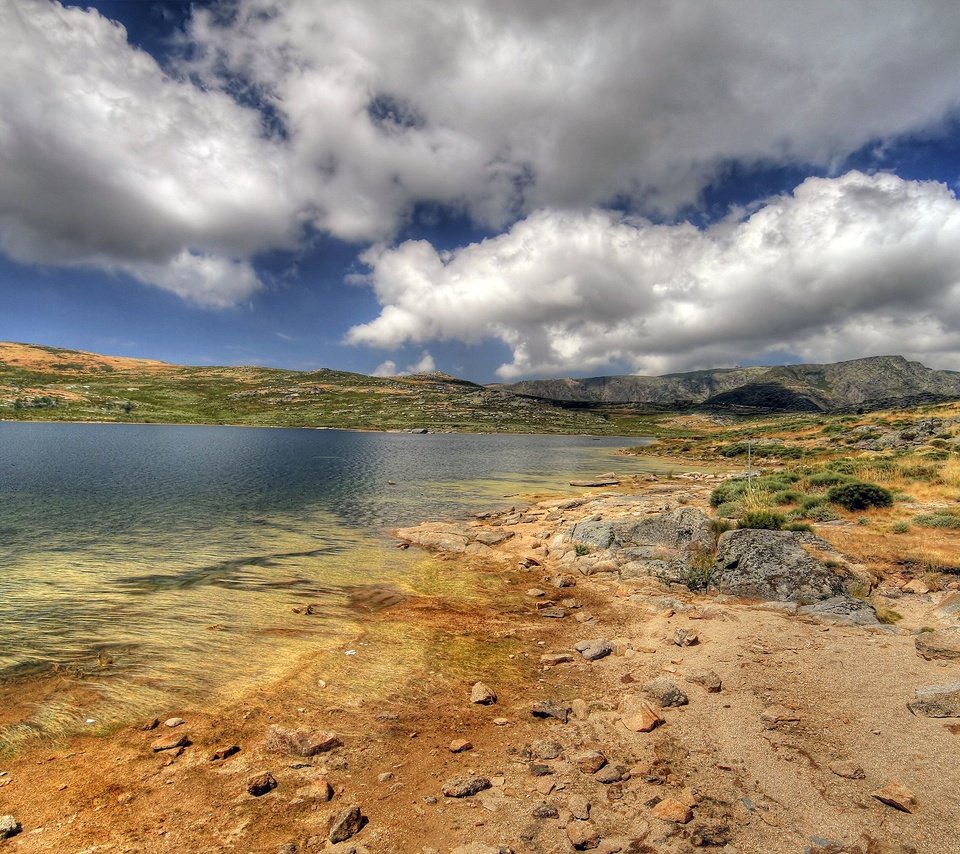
642, 682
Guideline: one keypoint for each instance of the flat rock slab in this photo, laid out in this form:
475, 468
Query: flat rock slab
592, 650
550, 709
465, 786
170, 742
300, 742
552, 659
943, 644
937, 701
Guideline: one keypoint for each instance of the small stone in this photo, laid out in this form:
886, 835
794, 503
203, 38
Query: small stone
685, 637
170, 742
552, 659
345, 824
318, 790
712, 835
561, 581
583, 835
545, 810
579, 807
538, 769
896, 795
550, 709
774, 715
638, 715
300, 742
9, 826
501, 721
173, 722
916, 586
665, 692
152, 724
580, 709
261, 784
465, 786
847, 770
590, 761
542, 749
460, 745
937, 701
544, 785
553, 613
429, 799
482, 695
709, 680
385, 777
592, 650
670, 809
608, 774
224, 753
536, 593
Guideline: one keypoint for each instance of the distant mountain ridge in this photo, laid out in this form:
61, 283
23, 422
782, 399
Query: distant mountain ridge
870, 383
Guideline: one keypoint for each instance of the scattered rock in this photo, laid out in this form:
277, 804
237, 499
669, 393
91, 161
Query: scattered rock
300, 742
685, 637
579, 807
848, 770
552, 659
896, 795
712, 835
501, 721
545, 749
224, 753
9, 826
638, 715
665, 692
536, 593
261, 784
151, 725
539, 769
608, 774
317, 790
482, 695
591, 650
942, 644
550, 709
670, 809
385, 777
937, 701
460, 745
709, 680
346, 823
583, 835
774, 715
465, 786
561, 581
545, 810
174, 722
170, 742
590, 761
552, 612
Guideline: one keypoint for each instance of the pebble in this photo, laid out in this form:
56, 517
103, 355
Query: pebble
465, 786
318, 790
170, 742
542, 749
594, 649
536, 593
685, 637
224, 753
172, 722
896, 795
501, 722
550, 709
670, 809
665, 692
579, 807
151, 725
638, 715
385, 777
460, 745
545, 810
9, 826
583, 835
708, 679
300, 742
482, 695
608, 774
590, 761
552, 659
777, 714
553, 613
345, 824
261, 784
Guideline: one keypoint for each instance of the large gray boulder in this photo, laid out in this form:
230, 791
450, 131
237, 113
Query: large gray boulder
775, 565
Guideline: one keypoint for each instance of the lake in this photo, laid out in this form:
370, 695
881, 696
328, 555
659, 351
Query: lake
147, 562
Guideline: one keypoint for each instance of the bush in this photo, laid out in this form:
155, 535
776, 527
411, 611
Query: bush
860, 496
728, 491
938, 520
762, 519
828, 478
821, 513
899, 527
786, 496
798, 526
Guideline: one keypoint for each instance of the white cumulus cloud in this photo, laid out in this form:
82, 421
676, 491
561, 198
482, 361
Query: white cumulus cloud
839, 268
424, 365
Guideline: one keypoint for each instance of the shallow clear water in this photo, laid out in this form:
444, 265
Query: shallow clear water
157, 560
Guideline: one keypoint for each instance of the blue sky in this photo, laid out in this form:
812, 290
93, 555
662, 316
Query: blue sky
496, 190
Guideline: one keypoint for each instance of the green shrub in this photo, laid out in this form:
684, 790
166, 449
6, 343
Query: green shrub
730, 509
860, 496
828, 478
821, 513
899, 527
798, 526
581, 549
786, 496
727, 491
938, 520
762, 519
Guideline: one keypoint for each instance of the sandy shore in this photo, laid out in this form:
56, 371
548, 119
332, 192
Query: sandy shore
792, 724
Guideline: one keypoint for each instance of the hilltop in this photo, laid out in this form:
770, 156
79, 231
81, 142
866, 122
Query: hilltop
53, 384
876, 382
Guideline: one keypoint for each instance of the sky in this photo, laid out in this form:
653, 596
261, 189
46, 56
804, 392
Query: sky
497, 189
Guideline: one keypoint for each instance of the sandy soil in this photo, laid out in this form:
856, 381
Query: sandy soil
750, 768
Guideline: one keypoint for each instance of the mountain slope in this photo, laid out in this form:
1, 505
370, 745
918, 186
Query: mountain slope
870, 383
52, 384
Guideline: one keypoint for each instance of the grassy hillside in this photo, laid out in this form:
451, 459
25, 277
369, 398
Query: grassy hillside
51, 384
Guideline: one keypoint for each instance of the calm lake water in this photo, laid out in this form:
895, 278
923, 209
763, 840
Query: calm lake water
151, 561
